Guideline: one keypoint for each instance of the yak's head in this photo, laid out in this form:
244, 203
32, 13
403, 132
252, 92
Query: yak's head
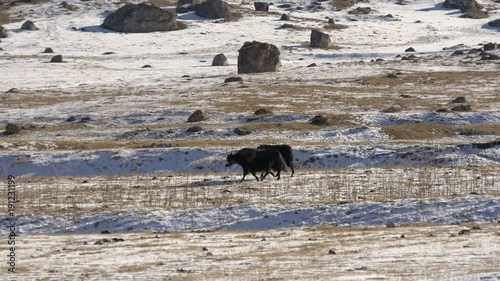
245, 155
231, 159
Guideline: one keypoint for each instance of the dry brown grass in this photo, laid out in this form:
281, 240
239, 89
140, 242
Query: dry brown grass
435, 131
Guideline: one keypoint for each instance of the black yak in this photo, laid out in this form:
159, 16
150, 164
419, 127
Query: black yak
257, 160
286, 152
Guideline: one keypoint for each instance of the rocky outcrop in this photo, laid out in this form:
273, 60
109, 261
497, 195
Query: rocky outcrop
140, 18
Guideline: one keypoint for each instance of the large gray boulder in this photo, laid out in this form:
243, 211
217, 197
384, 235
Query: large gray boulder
261, 6
140, 18
213, 9
319, 39
255, 57
3, 32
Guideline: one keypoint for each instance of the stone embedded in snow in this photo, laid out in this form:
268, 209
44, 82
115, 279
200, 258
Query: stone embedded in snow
140, 18
28, 25
213, 9
319, 39
285, 17
197, 116
411, 49
256, 57
220, 60
48, 51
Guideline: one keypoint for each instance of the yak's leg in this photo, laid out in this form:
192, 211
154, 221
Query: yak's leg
267, 172
278, 174
291, 167
245, 172
253, 173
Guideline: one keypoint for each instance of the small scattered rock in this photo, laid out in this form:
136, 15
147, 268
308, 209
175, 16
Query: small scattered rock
443, 110
390, 225
285, 17
48, 51
332, 252
331, 21
108, 53
242, 132
392, 109
312, 65
220, 60
458, 100
12, 129
392, 75
71, 119
462, 108
458, 53
194, 129
287, 25
28, 25
197, 116
361, 11
233, 79
263, 111
146, 66
318, 120
85, 119
204, 249
464, 232
411, 49
56, 59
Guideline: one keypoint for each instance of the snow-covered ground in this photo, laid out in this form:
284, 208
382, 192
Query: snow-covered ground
75, 180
